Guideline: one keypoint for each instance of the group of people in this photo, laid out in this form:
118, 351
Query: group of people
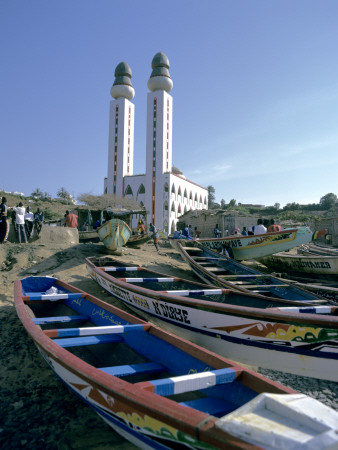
23, 220
262, 226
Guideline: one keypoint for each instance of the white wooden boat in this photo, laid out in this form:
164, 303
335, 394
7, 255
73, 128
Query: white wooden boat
254, 330
257, 246
114, 234
157, 390
303, 264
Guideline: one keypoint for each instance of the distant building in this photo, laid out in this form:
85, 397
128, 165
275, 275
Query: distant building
163, 189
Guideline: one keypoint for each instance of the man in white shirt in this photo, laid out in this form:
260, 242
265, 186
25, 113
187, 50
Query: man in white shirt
20, 222
259, 228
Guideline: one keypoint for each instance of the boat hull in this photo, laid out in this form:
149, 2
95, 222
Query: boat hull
114, 234
257, 246
317, 265
281, 342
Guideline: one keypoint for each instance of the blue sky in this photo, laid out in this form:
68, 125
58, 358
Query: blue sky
255, 96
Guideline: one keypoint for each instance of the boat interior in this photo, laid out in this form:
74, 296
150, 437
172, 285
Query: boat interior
134, 353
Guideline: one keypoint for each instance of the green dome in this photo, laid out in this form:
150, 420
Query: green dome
160, 60
123, 69
123, 74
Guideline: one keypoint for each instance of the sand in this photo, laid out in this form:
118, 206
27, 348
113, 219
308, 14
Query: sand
37, 410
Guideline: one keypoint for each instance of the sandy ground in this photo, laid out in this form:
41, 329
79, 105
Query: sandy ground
37, 411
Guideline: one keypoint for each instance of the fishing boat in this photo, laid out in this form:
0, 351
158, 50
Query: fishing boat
305, 264
114, 233
221, 271
137, 239
157, 390
257, 246
295, 337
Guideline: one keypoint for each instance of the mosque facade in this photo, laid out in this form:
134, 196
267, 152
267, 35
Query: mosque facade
162, 190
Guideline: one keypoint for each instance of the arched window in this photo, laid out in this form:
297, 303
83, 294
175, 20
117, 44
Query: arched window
173, 207
185, 209
165, 206
205, 200
128, 190
195, 197
165, 226
173, 190
185, 194
200, 198
179, 191
190, 196
141, 190
172, 228
179, 211
166, 187
141, 204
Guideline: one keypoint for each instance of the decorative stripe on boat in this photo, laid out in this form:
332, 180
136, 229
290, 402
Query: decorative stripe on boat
192, 293
32, 296
147, 280
59, 319
94, 331
88, 340
309, 310
132, 369
121, 269
192, 382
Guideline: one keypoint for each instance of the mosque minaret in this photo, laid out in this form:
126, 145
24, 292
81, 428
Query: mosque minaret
121, 131
159, 130
163, 190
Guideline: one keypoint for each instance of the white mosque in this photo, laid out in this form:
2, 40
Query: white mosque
163, 190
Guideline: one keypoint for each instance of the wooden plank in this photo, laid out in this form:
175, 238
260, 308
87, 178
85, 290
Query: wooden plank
37, 296
215, 269
264, 286
191, 382
244, 276
132, 369
59, 319
95, 331
204, 258
193, 249
88, 340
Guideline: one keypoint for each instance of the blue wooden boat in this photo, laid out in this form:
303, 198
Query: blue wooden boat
297, 337
156, 389
218, 270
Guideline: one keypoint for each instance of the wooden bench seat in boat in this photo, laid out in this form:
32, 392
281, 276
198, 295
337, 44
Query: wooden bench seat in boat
190, 382
59, 319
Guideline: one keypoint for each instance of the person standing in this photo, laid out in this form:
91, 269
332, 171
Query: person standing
155, 236
4, 228
70, 220
38, 220
20, 222
29, 220
197, 233
217, 231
